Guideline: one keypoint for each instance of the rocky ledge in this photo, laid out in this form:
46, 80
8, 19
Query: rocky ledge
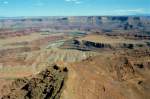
90, 45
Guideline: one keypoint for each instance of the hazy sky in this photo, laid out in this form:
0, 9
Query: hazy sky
73, 7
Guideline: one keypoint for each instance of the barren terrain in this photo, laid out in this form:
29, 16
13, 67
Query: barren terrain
75, 58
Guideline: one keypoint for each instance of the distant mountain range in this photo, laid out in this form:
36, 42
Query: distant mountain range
78, 22
20, 17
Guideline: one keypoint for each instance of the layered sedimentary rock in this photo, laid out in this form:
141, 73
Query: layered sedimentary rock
89, 44
79, 22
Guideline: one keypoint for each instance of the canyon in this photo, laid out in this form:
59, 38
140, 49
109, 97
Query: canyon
82, 57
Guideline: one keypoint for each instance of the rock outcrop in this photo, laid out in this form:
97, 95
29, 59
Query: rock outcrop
48, 84
124, 69
86, 45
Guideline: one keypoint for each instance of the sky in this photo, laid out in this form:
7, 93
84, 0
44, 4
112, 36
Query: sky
13, 8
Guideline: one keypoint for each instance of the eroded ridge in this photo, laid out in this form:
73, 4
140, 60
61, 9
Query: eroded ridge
48, 84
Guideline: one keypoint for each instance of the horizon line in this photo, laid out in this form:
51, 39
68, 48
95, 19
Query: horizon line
143, 15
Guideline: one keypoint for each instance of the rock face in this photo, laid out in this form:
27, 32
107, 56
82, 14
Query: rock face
124, 70
79, 22
48, 84
86, 45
